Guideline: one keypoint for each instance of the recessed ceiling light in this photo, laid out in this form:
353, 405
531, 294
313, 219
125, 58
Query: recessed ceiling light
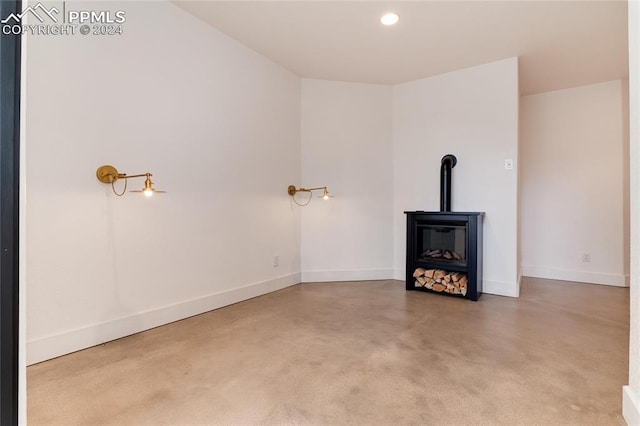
389, 18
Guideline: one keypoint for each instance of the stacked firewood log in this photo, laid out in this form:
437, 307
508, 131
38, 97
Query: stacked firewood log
441, 281
441, 255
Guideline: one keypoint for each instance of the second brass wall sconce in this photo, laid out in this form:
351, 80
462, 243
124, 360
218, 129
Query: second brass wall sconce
292, 191
109, 174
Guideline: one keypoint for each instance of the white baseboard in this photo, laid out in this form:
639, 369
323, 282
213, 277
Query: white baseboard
617, 280
630, 406
519, 283
354, 275
399, 274
501, 288
42, 349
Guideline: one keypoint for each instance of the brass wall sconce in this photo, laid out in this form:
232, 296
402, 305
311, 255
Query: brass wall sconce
109, 174
292, 191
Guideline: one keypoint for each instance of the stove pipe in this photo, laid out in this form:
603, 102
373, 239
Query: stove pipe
447, 163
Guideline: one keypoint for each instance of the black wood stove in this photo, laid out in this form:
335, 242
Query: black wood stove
444, 249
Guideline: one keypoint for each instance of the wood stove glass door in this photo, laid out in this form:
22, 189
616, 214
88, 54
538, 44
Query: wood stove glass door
439, 242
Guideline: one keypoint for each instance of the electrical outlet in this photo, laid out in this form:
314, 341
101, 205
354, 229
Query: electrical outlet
276, 261
586, 257
508, 164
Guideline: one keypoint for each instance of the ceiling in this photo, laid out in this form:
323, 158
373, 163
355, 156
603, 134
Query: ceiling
561, 44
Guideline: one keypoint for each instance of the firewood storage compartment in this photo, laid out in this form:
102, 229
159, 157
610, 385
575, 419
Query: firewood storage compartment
444, 253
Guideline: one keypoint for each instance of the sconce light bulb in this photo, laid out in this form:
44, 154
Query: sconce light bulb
389, 18
325, 196
148, 186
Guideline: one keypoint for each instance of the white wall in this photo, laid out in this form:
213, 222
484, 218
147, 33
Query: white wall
346, 145
473, 114
219, 127
631, 393
22, 311
573, 184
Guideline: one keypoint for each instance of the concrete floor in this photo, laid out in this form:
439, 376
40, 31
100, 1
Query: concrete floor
357, 353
